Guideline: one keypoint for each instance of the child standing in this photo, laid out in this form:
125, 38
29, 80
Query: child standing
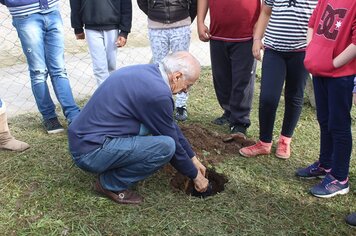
330, 58
284, 44
40, 29
107, 24
169, 31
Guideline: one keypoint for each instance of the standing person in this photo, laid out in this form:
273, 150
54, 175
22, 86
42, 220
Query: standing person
332, 36
107, 24
230, 37
40, 29
169, 31
284, 50
135, 101
7, 141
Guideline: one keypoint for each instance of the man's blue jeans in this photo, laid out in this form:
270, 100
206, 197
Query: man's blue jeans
122, 162
42, 40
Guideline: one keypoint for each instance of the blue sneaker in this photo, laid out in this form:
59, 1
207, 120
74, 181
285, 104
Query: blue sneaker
351, 219
313, 171
329, 187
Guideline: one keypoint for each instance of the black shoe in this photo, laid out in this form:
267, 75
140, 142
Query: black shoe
351, 219
53, 126
238, 129
221, 120
181, 114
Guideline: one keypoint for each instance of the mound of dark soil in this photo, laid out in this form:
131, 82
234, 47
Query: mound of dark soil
212, 148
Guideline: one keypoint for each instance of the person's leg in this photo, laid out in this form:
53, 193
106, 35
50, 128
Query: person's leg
294, 92
110, 37
7, 141
323, 165
241, 93
54, 52
321, 94
221, 71
159, 42
31, 31
96, 45
340, 103
293, 98
273, 76
121, 162
180, 41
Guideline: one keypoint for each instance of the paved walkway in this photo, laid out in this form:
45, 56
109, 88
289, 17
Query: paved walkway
15, 87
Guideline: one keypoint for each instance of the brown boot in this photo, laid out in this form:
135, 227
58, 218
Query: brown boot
6, 140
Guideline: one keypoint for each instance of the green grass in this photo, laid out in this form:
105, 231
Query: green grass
43, 193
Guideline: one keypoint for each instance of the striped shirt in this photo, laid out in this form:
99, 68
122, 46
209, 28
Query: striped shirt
28, 7
288, 24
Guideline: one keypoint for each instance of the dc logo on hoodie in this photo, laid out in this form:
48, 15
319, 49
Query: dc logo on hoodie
331, 21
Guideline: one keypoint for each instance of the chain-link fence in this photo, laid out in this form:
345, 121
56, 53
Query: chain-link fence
15, 88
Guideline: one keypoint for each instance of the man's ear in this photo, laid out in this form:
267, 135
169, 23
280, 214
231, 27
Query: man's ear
176, 76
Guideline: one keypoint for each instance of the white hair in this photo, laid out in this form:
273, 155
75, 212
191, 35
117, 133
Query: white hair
182, 62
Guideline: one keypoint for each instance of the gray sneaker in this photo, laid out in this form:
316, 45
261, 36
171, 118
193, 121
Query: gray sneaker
181, 114
53, 126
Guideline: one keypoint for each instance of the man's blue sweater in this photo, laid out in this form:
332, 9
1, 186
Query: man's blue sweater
130, 97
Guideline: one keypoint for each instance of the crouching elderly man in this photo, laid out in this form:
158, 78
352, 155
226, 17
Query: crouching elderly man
109, 136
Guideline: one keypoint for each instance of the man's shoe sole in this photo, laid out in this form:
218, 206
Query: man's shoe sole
56, 131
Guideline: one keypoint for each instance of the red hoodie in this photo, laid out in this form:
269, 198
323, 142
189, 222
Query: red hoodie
334, 25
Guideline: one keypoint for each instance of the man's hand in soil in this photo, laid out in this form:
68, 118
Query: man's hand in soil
200, 182
199, 165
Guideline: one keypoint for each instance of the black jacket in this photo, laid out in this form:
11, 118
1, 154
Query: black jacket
168, 11
101, 15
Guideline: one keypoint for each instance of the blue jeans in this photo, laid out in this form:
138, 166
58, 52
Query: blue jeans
333, 98
122, 162
42, 41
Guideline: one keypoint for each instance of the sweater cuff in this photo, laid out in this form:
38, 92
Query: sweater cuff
123, 34
78, 31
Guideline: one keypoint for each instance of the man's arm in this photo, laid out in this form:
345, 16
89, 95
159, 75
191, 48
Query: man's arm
158, 118
203, 30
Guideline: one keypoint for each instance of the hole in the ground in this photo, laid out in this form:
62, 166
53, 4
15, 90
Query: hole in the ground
183, 183
211, 149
